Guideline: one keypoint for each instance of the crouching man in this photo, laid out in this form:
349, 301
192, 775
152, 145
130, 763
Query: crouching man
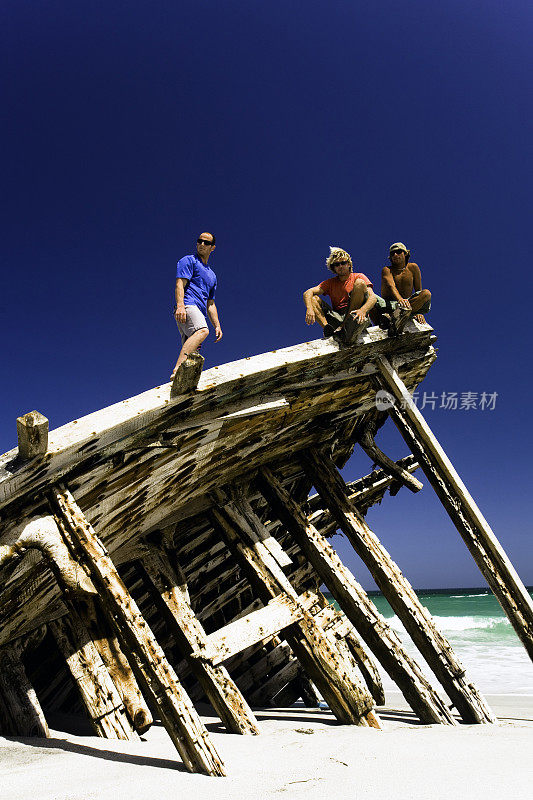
402, 296
195, 291
351, 295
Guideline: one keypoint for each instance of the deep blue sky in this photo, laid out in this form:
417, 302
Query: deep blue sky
129, 127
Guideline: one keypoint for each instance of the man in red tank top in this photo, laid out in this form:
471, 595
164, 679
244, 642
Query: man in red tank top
351, 295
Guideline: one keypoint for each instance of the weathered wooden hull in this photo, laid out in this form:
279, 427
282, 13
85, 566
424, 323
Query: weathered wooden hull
166, 550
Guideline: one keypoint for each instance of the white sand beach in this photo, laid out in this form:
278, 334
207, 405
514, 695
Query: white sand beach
300, 753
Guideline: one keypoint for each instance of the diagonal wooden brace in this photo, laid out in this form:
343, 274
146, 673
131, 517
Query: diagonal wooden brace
337, 679
351, 597
477, 534
178, 715
403, 599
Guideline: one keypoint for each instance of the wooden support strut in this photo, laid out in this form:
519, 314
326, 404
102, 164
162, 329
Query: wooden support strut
20, 711
117, 664
416, 619
366, 441
99, 694
336, 621
462, 510
178, 715
361, 612
172, 600
336, 677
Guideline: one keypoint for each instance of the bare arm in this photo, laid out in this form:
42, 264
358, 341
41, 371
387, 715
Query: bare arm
370, 301
314, 291
180, 314
417, 277
212, 313
389, 290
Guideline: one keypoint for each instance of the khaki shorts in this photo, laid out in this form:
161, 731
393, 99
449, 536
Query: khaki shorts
194, 321
389, 305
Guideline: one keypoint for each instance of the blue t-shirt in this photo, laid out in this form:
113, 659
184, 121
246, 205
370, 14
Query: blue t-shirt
202, 282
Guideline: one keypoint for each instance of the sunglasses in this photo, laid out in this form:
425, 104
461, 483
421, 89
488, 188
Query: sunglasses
339, 263
204, 241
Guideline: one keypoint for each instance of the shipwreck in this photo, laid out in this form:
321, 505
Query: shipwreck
166, 550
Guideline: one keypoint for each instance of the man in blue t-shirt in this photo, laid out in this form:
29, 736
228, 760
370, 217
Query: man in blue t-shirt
196, 285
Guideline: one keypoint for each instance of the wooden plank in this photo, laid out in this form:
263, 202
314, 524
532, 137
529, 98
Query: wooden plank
20, 711
172, 599
178, 715
98, 692
416, 619
235, 637
352, 598
478, 536
338, 680
115, 428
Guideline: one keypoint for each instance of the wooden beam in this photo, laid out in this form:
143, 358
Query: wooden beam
337, 679
172, 599
246, 631
366, 441
98, 692
32, 433
478, 536
20, 711
178, 715
335, 621
116, 662
396, 588
372, 627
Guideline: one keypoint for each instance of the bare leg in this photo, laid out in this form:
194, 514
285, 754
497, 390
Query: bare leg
417, 302
352, 326
358, 295
189, 346
318, 308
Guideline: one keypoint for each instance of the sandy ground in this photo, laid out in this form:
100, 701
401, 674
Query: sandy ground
301, 753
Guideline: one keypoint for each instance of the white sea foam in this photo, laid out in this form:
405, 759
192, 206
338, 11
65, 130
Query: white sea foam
492, 655
458, 623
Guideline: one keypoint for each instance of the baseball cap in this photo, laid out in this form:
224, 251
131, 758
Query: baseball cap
398, 246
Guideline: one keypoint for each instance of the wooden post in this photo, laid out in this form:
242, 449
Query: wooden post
361, 612
20, 711
416, 619
187, 376
178, 715
337, 622
117, 664
32, 432
463, 511
336, 678
191, 638
99, 694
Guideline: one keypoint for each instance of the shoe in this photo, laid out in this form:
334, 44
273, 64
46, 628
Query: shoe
329, 330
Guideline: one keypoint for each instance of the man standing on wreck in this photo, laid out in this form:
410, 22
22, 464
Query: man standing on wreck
196, 285
351, 295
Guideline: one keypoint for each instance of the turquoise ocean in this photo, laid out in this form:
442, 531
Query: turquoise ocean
478, 630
